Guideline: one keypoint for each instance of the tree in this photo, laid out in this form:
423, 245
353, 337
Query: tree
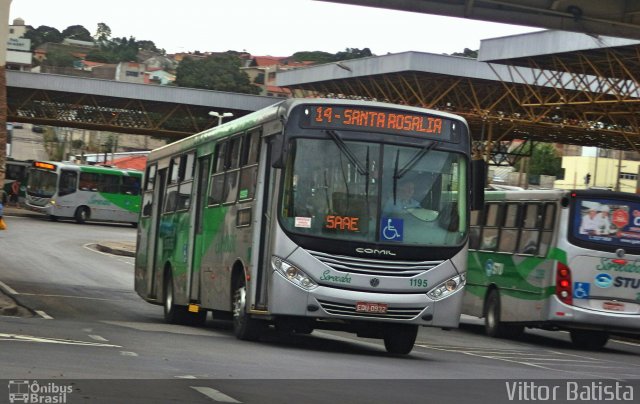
43, 34
103, 33
545, 160
315, 56
77, 32
59, 59
467, 53
353, 53
221, 73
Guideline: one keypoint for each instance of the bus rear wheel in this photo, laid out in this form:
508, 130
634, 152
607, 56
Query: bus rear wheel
244, 327
492, 324
173, 313
82, 214
399, 340
589, 339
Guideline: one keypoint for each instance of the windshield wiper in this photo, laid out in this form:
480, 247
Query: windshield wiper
347, 152
397, 174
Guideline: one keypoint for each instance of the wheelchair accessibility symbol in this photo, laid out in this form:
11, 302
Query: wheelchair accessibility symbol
581, 290
392, 229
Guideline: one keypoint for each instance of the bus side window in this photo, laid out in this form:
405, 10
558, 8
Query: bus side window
109, 183
530, 234
510, 230
249, 170
174, 170
88, 182
474, 231
231, 176
491, 231
216, 192
548, 221
68, 182
147, 199
187, 167
130, 185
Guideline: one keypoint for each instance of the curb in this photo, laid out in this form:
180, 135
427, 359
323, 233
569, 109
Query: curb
124, 249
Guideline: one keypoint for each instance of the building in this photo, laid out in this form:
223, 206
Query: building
19, 55
599, 172
262, 71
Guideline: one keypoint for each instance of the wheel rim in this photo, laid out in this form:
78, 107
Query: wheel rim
492, 319
239, 300
168, 299
84, 214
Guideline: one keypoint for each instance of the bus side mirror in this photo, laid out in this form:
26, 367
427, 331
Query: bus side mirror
478, 183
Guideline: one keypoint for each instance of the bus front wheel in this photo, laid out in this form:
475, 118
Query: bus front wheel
244, 327
589, 339
82, 214
492, 324
399, 340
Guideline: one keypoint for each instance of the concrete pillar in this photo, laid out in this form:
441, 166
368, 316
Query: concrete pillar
5, 6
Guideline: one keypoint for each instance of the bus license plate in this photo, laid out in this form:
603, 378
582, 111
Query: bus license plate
367, 307
613, 306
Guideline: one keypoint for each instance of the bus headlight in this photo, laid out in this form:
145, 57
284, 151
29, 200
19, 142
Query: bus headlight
293, 274
447, 287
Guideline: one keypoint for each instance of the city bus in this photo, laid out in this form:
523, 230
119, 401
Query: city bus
557, 260
84, 192
15, 179
277, 219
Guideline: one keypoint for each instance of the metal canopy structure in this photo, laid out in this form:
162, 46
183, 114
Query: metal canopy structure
596, 80
498, 103
75, 102
597, 17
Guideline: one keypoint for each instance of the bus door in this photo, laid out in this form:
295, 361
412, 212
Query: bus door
154, 252
199, 244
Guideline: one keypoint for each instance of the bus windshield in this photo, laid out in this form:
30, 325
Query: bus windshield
361, 191
42, 183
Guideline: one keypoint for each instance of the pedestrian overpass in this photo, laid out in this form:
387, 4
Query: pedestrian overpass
107, 105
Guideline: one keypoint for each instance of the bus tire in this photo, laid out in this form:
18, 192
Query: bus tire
244, 327
173, 314
82, 214
589, 339
492, 324
399, 340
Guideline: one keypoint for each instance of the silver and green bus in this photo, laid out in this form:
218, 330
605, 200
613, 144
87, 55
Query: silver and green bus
558, 260
311, 214
84, 192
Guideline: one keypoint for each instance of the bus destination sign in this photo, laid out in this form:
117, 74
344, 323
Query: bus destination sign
376, 119
44, 165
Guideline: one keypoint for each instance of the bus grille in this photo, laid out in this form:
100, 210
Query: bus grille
367, 266
38, 201
341, 309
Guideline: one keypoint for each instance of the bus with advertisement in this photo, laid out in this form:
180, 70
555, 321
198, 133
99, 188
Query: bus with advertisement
312, 214
557, 260
84, 192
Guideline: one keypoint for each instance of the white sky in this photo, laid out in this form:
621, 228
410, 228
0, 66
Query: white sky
264, 27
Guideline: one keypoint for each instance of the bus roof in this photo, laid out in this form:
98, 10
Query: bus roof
92, 168
272, 112
552, 194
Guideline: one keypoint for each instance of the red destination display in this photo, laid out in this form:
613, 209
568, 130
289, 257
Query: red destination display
378, 120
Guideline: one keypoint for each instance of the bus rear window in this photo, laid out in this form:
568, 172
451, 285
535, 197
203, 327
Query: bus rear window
606, 222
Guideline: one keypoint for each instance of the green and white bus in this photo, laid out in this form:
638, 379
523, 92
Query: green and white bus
278, 218
558, 260
84, 192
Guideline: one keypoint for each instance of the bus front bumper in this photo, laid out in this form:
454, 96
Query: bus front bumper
327, 303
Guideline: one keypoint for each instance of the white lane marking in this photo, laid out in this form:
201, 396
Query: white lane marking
185, 377
43, 315
28, 338
9, 290
98, 338
625, 342
68, 296
128, 353
215, 395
